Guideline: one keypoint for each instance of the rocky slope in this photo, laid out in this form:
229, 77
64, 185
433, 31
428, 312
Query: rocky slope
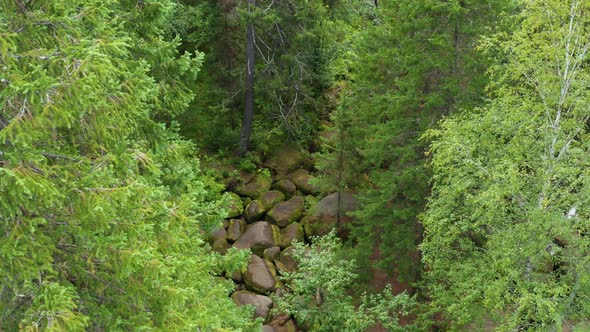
268, 211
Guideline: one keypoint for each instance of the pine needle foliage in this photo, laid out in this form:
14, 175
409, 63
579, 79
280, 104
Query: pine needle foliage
102, 209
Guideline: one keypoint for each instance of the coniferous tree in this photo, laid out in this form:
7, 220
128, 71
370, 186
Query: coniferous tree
103, 209
415, 64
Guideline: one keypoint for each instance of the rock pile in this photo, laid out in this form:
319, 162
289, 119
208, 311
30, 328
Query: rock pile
266, 214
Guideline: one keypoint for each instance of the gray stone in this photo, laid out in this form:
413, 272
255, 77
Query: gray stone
286, 187
261, 303
260, 275
235, 206
254, 211
259, 236
287, 212
303, 181
323, 216
259, 184
271, 198
293, 232
235, 229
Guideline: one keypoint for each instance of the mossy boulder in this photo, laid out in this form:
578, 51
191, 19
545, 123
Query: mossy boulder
260, 275
286, 262
261, 303
235, 208
217, 234
254, 211
272, 253
325, 215
235, 229
258, 237
287, 159
304, 181
271, 198
258, 185
287, 212
221, 246
293, 232
286, 187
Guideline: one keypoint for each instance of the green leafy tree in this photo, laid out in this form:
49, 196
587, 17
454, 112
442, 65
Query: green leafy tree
317, 292
103, 209
507, 224
415, 63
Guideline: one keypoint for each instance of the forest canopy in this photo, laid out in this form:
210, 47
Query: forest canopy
319, 165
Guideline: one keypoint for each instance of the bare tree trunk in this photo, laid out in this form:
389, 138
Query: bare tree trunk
249, 94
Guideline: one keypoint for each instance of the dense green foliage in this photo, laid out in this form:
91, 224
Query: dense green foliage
461, 125
506, 227
102, 209
416, 63
300, 50
317, 292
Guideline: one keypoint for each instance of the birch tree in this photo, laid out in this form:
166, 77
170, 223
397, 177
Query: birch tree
507, 224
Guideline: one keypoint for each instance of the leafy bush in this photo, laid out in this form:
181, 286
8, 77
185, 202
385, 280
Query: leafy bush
317, 294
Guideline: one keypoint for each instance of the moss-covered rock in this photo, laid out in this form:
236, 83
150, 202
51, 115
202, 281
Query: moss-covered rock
330, 212
286, 261
235, 208
304, 181
259, 184
293, 232
287, 159
261, 303
235, 229
272, 253
221, 246
271, 198
287, 212
254, 211
217, 234
286, 187
258, 237
288, 326
260, 275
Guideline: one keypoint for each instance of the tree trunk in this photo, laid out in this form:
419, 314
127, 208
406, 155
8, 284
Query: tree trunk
249, 94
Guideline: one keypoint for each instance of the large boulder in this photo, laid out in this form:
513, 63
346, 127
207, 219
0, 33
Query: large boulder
261, 303
293, 232
234, 205
286, 262
221, 246
271, 198
287, 159
272, 253
259, 236
323, 216
235, 229
304, 181
287, 212
259, 184
286, 187
254, 211
217, 234
260, 275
